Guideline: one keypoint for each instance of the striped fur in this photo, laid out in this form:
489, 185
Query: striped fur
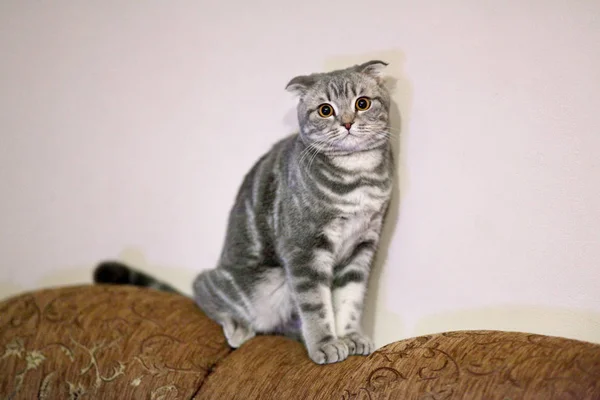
306, 223
116, 273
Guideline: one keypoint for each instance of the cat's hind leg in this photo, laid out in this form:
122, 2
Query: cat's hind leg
217, 294
272, 302
236, 332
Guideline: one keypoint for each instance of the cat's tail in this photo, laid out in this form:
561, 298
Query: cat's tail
117, 273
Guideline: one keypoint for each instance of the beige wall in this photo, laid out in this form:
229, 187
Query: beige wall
126, 127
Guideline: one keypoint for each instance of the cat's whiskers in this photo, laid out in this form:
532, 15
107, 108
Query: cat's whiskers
379, 134
328, 141
392, 129
309, 149
388, 135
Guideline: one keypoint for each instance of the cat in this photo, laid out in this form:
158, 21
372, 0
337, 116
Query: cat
306, 223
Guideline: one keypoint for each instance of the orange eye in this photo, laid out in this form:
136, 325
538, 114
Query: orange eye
325, 110
363, 103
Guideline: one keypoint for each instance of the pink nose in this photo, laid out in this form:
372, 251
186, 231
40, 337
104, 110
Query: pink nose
348, 126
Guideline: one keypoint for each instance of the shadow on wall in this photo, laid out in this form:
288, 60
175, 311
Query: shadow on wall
379, 323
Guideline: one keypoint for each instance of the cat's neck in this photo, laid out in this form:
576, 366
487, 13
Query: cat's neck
367, 160
348, 163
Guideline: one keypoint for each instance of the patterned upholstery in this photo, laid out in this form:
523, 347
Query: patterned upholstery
114, 342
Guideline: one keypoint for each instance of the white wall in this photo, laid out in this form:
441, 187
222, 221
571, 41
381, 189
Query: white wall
126, 127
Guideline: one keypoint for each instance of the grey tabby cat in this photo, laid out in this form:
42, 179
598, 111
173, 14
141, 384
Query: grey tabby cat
306, 223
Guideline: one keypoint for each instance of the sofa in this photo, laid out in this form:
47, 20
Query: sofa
121, 342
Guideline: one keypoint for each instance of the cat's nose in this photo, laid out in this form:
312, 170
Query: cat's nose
347, 125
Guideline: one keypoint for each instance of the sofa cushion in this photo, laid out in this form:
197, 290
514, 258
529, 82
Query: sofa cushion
454, 365
105, 341
120, 342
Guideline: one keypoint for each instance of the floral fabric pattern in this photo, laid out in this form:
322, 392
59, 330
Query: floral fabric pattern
120, 342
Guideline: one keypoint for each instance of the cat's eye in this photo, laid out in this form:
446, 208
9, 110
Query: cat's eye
325, 110
363, 103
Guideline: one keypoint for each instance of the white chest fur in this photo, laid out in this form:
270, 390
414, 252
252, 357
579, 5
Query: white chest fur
363, 161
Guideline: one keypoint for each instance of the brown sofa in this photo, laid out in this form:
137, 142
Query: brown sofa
112, 342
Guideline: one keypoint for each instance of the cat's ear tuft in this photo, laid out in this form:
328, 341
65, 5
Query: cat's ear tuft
373, 68
300, 84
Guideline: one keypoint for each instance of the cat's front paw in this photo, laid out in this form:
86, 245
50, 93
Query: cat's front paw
358, 344
332, 351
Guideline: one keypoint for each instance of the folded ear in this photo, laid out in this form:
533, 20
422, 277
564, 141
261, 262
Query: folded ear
300, 84
374, 68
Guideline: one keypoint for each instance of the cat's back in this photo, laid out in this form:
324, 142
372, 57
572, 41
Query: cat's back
259, 185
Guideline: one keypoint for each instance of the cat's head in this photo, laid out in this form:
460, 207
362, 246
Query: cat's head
343, 111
